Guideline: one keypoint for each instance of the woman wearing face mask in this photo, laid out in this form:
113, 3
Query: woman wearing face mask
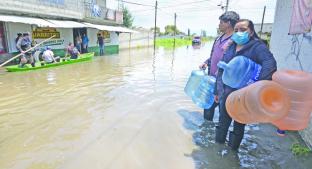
246, 43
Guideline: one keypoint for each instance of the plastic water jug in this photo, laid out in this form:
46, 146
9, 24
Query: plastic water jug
203, 96
263, 101
299, 87
240, 72
193, 82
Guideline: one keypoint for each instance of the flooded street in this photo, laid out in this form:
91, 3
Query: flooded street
123, 111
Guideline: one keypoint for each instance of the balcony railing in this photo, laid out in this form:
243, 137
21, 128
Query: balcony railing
93, 11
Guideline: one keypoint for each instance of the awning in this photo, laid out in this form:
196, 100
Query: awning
66, 24
110, 28
26, 20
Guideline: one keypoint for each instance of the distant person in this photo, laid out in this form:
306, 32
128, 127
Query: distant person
19, 36
23, 45
48, 56
246, 43
72, 51
226, 26
100, 41
78, 41
85, 42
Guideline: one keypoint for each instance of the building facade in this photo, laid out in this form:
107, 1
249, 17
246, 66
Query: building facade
67, 19
291, 51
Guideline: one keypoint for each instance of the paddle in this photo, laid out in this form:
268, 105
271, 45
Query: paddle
4, 63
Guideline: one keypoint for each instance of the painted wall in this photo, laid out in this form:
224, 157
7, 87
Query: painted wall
136, 40
111, 47
66, 36
291, 52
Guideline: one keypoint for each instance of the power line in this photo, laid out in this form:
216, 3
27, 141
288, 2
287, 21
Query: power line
187, 3
134, 3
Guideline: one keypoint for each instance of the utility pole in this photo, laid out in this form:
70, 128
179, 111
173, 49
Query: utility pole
227, 5
175, 29
156, 4
262, 21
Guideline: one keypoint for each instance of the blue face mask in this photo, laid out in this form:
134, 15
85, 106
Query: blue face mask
240, 38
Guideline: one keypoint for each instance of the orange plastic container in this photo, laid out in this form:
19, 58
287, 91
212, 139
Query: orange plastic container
263, 101
299, 87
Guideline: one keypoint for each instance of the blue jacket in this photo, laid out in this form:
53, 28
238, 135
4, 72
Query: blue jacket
255, 50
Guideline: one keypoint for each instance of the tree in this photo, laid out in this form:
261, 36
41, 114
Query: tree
157, 30
127, 17
170, 29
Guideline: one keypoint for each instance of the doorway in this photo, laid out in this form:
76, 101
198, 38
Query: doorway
77, 34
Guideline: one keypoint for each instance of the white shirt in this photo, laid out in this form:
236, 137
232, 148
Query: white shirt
48, 56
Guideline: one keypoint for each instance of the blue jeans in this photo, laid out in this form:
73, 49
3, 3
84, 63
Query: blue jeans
235, 136
101, 49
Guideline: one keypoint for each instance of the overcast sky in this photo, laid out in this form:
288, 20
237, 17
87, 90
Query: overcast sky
196, 15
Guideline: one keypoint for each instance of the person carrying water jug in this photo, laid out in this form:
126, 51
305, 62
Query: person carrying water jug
226, 27
245, 43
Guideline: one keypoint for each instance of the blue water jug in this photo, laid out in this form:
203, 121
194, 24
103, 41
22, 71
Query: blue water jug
193, 82
203, 96
240, 72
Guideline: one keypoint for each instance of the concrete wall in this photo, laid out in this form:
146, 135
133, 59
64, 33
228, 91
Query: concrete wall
68, 9
136, 40
291, 52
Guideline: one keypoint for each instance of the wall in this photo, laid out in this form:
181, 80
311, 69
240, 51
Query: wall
68, 9
111, 47
136, 40
291, 52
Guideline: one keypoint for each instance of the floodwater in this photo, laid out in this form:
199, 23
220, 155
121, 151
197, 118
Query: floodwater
123, 111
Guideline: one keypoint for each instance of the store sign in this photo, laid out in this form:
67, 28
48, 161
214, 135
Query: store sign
58, 42
106, 36
45, 33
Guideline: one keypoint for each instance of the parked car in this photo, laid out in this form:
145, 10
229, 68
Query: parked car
196, 40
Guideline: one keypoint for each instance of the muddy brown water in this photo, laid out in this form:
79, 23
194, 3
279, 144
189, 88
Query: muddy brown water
123, 111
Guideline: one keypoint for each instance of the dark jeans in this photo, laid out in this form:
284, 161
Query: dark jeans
209, 113
101, 49
235, 136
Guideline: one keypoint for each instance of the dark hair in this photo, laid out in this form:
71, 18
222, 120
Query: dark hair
25, 34
230, 16
251, 26
19, 34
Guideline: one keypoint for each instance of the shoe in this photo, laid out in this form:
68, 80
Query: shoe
281, 133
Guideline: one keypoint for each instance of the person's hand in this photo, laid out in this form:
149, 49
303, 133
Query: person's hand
203, 66
216, 98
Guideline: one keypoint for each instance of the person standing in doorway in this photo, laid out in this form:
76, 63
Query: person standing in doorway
226, 27
100, 41
78, 41
85, 42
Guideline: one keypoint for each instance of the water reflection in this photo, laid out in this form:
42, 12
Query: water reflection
122, 111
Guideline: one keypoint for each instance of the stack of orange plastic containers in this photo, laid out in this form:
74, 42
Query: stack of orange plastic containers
264, 101
285, 102
299, 87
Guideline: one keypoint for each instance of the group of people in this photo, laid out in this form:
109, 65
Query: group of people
24, 43
238, 38
82, 43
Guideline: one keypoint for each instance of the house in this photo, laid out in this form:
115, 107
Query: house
292, 48
66, 19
